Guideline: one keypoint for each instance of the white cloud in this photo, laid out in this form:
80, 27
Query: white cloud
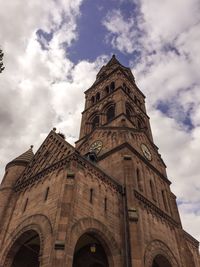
172, 76
191, 217
27, 84
121, 31
40, 88
164, 21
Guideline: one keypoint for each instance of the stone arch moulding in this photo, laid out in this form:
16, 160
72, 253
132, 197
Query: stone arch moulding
90, 225
130, 106
157, 247
107, 105
108, 111
39, 223
94, 120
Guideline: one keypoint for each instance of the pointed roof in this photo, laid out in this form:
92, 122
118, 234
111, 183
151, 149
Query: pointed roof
112, 65
23, 159
113, 61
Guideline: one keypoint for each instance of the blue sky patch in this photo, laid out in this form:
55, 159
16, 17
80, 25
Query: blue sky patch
171, 48
181, 116
44, 38
91, 40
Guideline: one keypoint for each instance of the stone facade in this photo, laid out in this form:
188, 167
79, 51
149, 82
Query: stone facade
106, 202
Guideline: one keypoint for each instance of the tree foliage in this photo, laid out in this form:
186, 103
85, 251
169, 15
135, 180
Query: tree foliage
1, 61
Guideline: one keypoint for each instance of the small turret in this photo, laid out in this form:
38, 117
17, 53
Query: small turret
15, 167
22, 160
13, 171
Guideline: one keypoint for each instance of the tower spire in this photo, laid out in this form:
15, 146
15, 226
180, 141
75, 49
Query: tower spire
113, 61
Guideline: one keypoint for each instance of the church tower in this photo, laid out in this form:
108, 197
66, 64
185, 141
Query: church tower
105, 203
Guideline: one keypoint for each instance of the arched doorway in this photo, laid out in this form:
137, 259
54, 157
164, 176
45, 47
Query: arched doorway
89, 252
161, 261
25, 251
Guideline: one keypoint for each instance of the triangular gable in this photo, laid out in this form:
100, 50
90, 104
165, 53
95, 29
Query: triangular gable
53, 149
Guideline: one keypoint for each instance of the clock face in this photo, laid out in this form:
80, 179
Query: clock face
146, 152
96, 147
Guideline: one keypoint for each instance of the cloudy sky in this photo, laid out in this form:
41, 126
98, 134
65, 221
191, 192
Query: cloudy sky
53, 50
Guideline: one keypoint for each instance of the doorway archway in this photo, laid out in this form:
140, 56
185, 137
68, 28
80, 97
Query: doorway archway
89, 252
158, 254
161, 261
25, 252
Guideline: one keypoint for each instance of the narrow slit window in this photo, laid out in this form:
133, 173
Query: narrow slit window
97, 97
164, 200
25, 205
152, 190
92, 99
112, 86
139, 180
46, 194
91, 195
105, 204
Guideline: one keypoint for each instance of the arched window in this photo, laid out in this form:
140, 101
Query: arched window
140, 122
97, 97
110, 113
89, 251
112, 86
161, 261
92, 99
107, 90
127, 90
129, 111
95, 122
26, 250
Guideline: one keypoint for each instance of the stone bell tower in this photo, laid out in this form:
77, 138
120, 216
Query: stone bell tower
115, 118
116, 127
105, 203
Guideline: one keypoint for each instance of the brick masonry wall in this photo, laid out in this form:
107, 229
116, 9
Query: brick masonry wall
68, 203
